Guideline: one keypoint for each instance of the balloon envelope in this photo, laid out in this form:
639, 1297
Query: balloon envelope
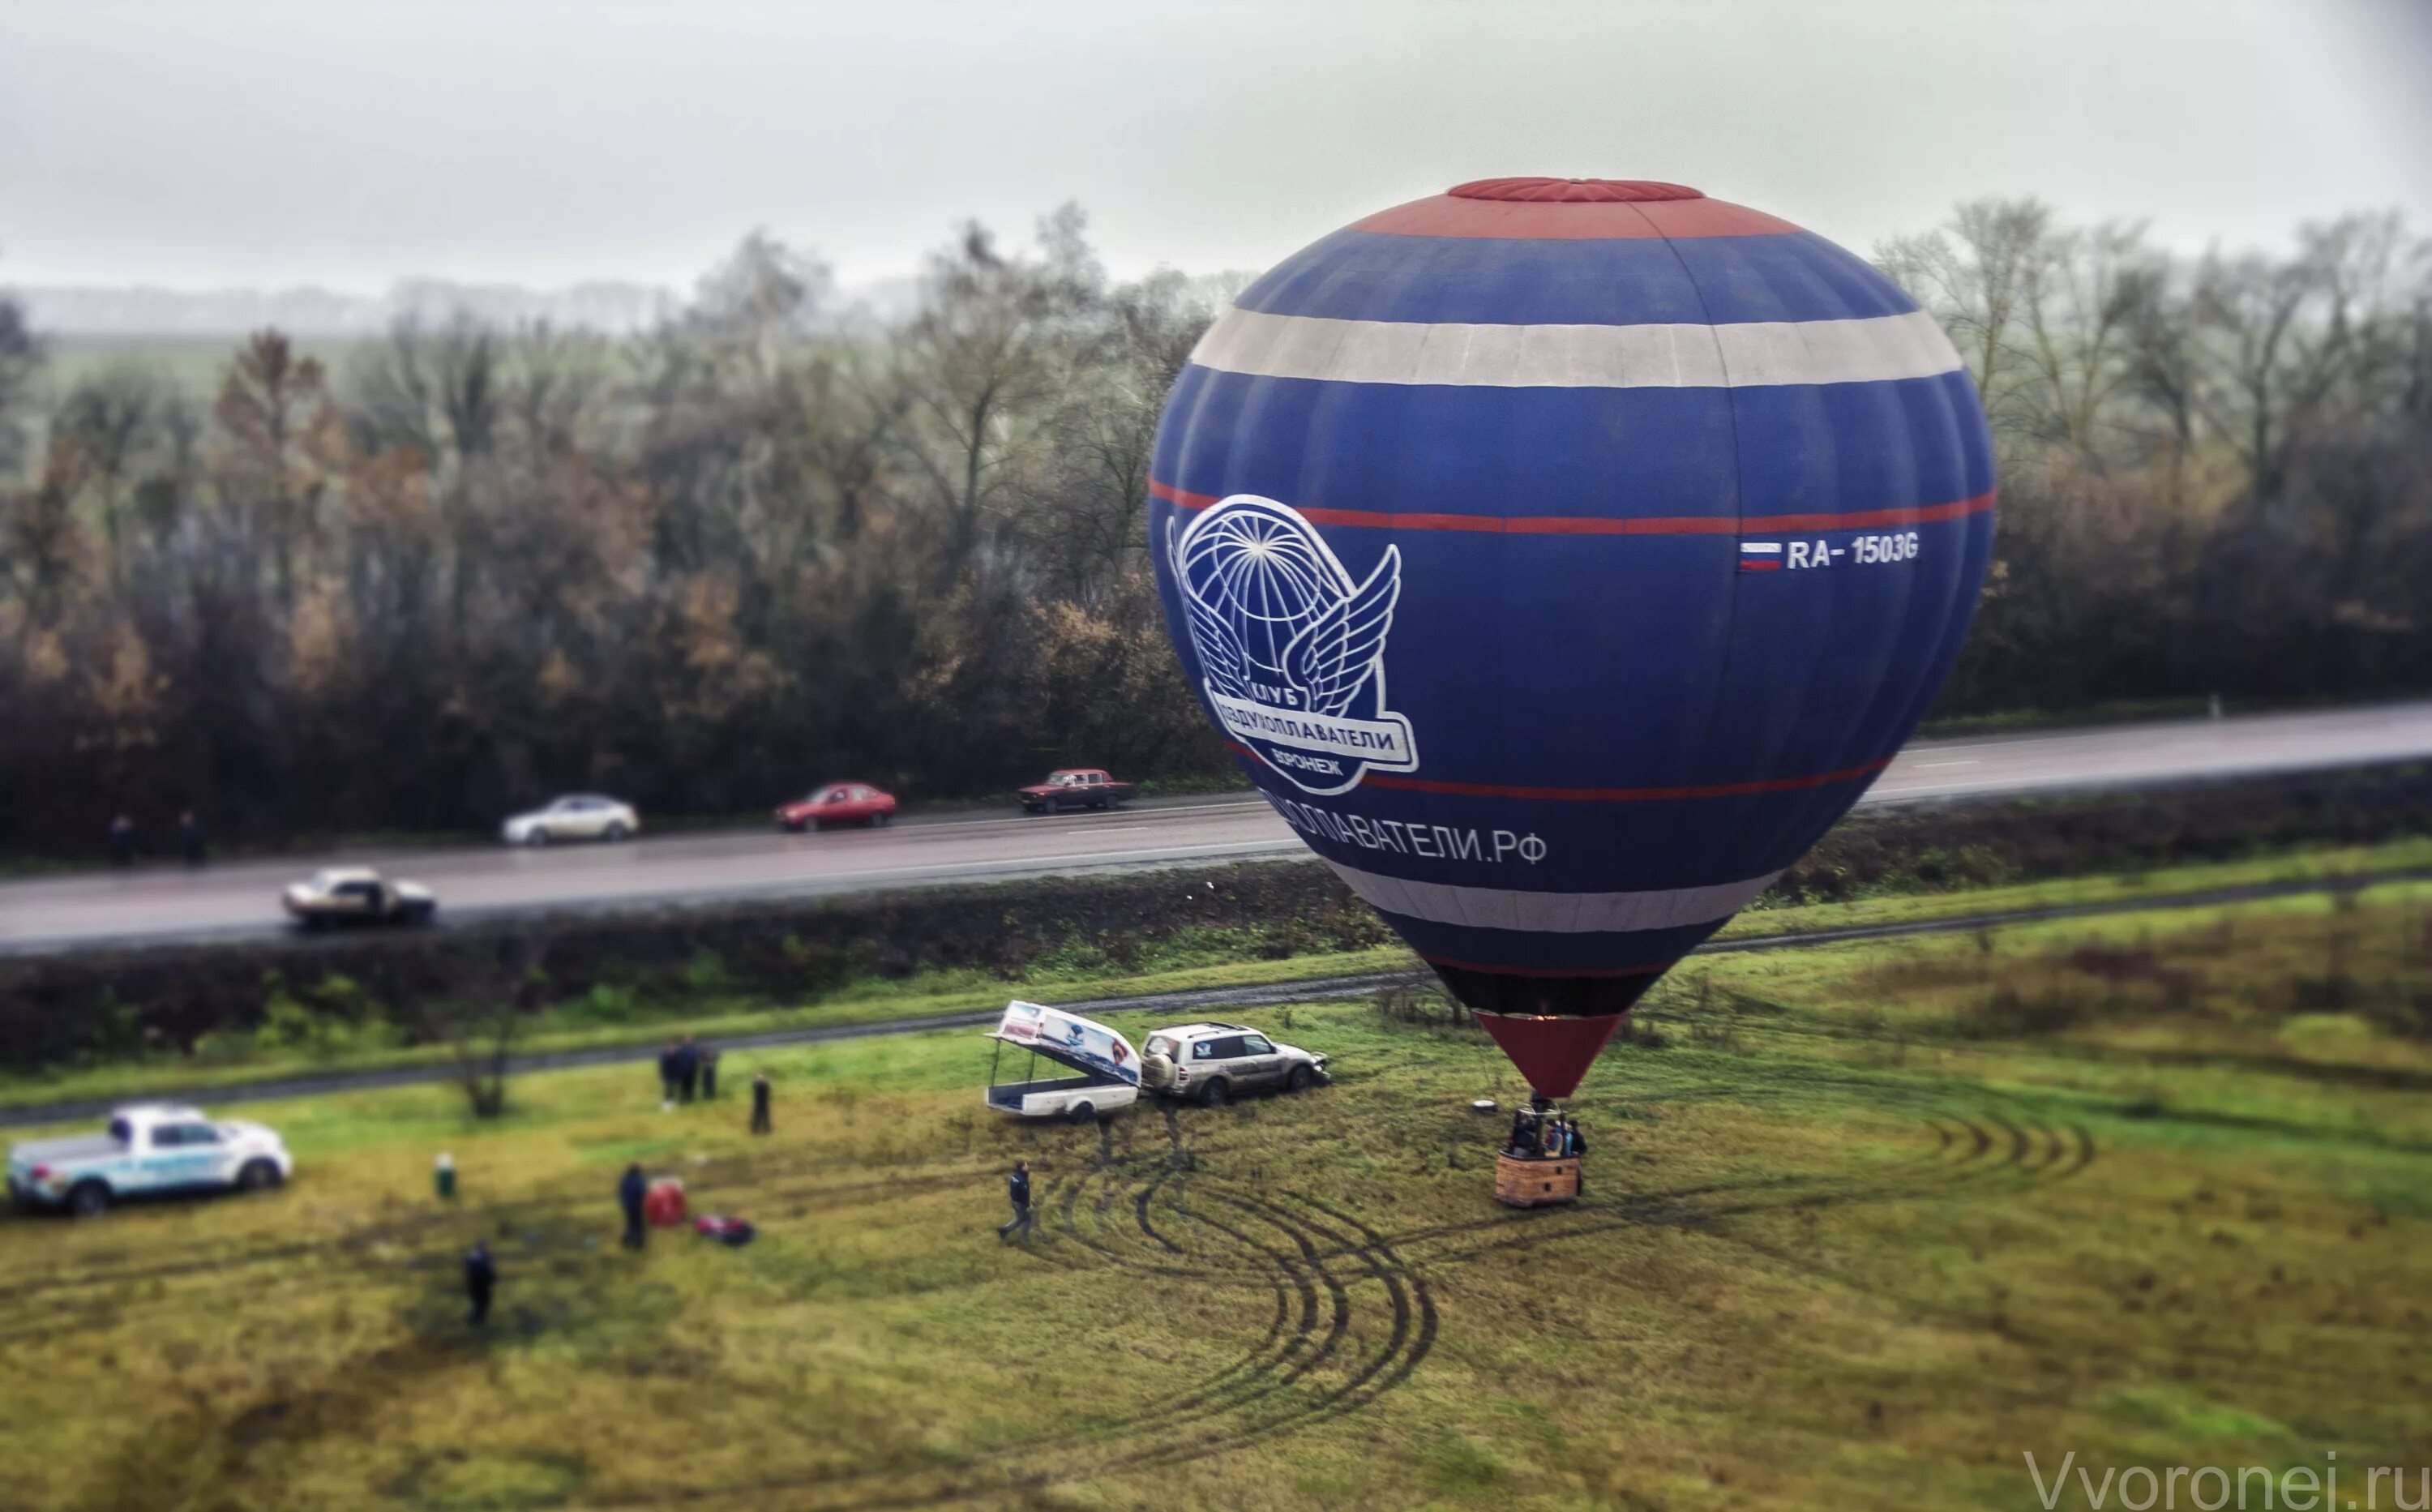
1561, 558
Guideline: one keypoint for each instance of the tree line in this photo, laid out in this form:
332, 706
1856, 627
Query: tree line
766, 546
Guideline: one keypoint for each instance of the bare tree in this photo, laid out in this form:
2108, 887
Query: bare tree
283, 438
992, 345
1976, 276
2085, 291
481, 1021
21, 358
110, 420
1081, 520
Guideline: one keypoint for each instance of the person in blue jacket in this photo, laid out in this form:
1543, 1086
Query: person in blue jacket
1017, 1189
630, 1190
480, 1280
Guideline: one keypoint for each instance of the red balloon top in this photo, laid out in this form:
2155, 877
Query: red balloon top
1573, 190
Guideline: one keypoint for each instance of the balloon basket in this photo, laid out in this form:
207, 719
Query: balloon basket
1536, 1181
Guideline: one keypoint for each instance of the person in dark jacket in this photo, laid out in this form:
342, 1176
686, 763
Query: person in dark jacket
1017, 1188
668, 1073
1579, 1146
687, 1070
122, 843
480, 1280
189, 838
760, 1103
630, 1193
709, 1073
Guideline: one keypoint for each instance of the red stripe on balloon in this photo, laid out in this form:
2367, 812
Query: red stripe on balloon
1521, 220
1624, 795
1601, 525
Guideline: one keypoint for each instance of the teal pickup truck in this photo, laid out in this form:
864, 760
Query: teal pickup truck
149, 1150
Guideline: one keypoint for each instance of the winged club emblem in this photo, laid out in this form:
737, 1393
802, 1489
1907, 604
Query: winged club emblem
1291, 646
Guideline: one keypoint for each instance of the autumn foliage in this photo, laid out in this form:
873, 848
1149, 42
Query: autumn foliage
773, 543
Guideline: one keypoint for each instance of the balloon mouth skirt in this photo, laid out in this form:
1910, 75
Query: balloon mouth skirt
1552, 1028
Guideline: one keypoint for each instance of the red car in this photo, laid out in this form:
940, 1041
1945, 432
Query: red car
1075, 787
838, 803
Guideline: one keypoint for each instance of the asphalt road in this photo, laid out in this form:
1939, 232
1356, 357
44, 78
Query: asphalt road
164, 904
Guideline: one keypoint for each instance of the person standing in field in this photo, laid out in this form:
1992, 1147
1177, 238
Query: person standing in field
1017, 1188
667, 1075
687, 1070
760, 1103
480, 1280
631, 1191
709, 1073
122, 843
189, 838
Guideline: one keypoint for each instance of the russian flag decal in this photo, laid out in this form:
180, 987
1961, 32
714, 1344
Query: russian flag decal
1759, 556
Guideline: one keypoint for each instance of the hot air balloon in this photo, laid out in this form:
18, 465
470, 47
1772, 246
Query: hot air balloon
1561, 558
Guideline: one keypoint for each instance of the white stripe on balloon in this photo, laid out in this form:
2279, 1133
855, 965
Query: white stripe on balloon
1489, 907
1753, 355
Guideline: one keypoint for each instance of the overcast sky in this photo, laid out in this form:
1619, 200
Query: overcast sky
244, 143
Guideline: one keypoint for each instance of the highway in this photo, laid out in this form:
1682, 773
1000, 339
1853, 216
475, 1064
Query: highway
163, 904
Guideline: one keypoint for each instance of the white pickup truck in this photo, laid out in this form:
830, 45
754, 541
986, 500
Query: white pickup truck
149, 1150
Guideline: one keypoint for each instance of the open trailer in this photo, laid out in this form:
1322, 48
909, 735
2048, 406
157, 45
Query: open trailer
1099, 1069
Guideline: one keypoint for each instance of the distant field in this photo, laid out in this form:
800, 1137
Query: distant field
1864, 1224
195, 364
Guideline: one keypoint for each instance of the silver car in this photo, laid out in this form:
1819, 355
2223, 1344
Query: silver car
583, 816
1213, 1063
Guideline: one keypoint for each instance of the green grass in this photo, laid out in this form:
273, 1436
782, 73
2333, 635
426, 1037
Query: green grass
1864, 1224
241, 1058
2363, 864
1193, 959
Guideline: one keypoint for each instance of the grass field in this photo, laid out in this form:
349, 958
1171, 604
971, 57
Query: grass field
1863, 1225
1190, 961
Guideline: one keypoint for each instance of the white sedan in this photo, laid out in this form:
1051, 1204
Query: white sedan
584, 816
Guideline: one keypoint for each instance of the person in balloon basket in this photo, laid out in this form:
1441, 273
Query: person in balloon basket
480, 1280
1549, 1139
1017, 1190
630, 1190
1524, 1133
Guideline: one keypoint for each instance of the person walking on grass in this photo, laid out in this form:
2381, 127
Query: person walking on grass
480, 1280
760, 1103
631, 1191
1017, 1188
709, 1073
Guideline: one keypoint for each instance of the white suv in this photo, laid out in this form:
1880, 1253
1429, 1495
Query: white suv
1213, 1062
584, 816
